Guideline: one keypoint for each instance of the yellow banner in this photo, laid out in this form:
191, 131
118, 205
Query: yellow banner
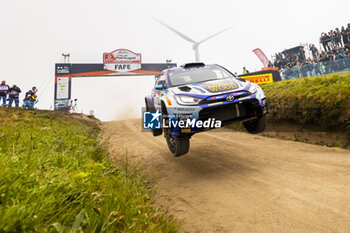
260, 78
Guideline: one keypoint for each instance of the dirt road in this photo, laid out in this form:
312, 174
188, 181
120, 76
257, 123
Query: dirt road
236, 182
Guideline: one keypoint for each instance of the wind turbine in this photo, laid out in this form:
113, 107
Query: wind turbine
195, 45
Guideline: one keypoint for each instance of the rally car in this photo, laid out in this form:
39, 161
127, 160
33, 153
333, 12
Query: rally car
196, 97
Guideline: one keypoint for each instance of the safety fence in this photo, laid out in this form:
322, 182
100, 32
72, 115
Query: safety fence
313, 69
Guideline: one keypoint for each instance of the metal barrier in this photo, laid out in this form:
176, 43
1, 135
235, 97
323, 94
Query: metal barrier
313, 69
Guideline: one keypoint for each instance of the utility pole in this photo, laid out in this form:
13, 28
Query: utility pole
66, 57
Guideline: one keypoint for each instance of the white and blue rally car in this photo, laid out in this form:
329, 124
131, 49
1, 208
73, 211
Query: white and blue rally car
197, 97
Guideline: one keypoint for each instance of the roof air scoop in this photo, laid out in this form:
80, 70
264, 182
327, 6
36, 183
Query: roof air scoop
191, 65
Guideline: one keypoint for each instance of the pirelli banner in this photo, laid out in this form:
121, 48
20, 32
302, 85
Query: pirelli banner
264, 76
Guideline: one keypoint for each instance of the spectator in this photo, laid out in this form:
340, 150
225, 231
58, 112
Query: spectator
314, 51
324, 40
30, 98
14, 95
4, 89
344, 35
245, 71
337, 38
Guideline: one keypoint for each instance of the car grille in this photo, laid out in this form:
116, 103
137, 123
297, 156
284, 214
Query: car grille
228, 112
210, 101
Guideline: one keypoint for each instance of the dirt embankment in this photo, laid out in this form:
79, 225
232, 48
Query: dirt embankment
309, 133
236, 182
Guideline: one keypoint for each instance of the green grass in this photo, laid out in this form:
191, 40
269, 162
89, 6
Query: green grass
321, 100
55, 177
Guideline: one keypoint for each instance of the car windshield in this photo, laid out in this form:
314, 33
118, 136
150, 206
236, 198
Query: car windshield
177, 78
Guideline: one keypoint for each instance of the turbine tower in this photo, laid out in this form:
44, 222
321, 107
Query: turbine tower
195, 45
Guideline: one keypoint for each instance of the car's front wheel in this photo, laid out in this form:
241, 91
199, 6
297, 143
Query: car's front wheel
178, 144
255, 126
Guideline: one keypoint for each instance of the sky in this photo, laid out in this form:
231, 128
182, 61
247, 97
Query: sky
35, 33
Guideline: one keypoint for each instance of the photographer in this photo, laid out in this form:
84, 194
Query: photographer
14, 95
30, 99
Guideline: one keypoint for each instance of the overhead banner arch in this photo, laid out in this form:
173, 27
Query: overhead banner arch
120, 62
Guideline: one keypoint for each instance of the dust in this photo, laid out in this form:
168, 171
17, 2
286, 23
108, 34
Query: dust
127, 112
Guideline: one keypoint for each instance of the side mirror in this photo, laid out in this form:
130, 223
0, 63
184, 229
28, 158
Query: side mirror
159, 87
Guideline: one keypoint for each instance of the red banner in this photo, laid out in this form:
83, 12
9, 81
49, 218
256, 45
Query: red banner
261, 55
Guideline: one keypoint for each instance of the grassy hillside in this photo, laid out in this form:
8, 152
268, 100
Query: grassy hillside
322, 100
54, 177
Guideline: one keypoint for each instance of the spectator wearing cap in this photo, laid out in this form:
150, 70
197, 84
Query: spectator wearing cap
4, 89
14, 95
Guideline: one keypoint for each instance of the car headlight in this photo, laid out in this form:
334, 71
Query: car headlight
252, 89
187, 100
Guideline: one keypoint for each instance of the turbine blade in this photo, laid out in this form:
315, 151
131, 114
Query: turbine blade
214, 35
174, 30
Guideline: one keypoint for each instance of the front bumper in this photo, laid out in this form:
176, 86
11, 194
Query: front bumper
234, 112
241, 109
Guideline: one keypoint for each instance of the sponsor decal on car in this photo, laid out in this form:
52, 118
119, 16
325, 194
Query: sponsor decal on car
218, 97
217, 103
220, 86
244, 98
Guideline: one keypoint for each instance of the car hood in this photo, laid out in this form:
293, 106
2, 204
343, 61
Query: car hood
213, 87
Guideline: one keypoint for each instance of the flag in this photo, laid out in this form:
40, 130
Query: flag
261, 55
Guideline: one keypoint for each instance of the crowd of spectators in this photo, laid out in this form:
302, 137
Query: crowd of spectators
285, 60
336, 47
10, 95
335, 39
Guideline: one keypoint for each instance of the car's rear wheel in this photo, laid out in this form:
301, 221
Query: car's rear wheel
255, 126
178, 144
